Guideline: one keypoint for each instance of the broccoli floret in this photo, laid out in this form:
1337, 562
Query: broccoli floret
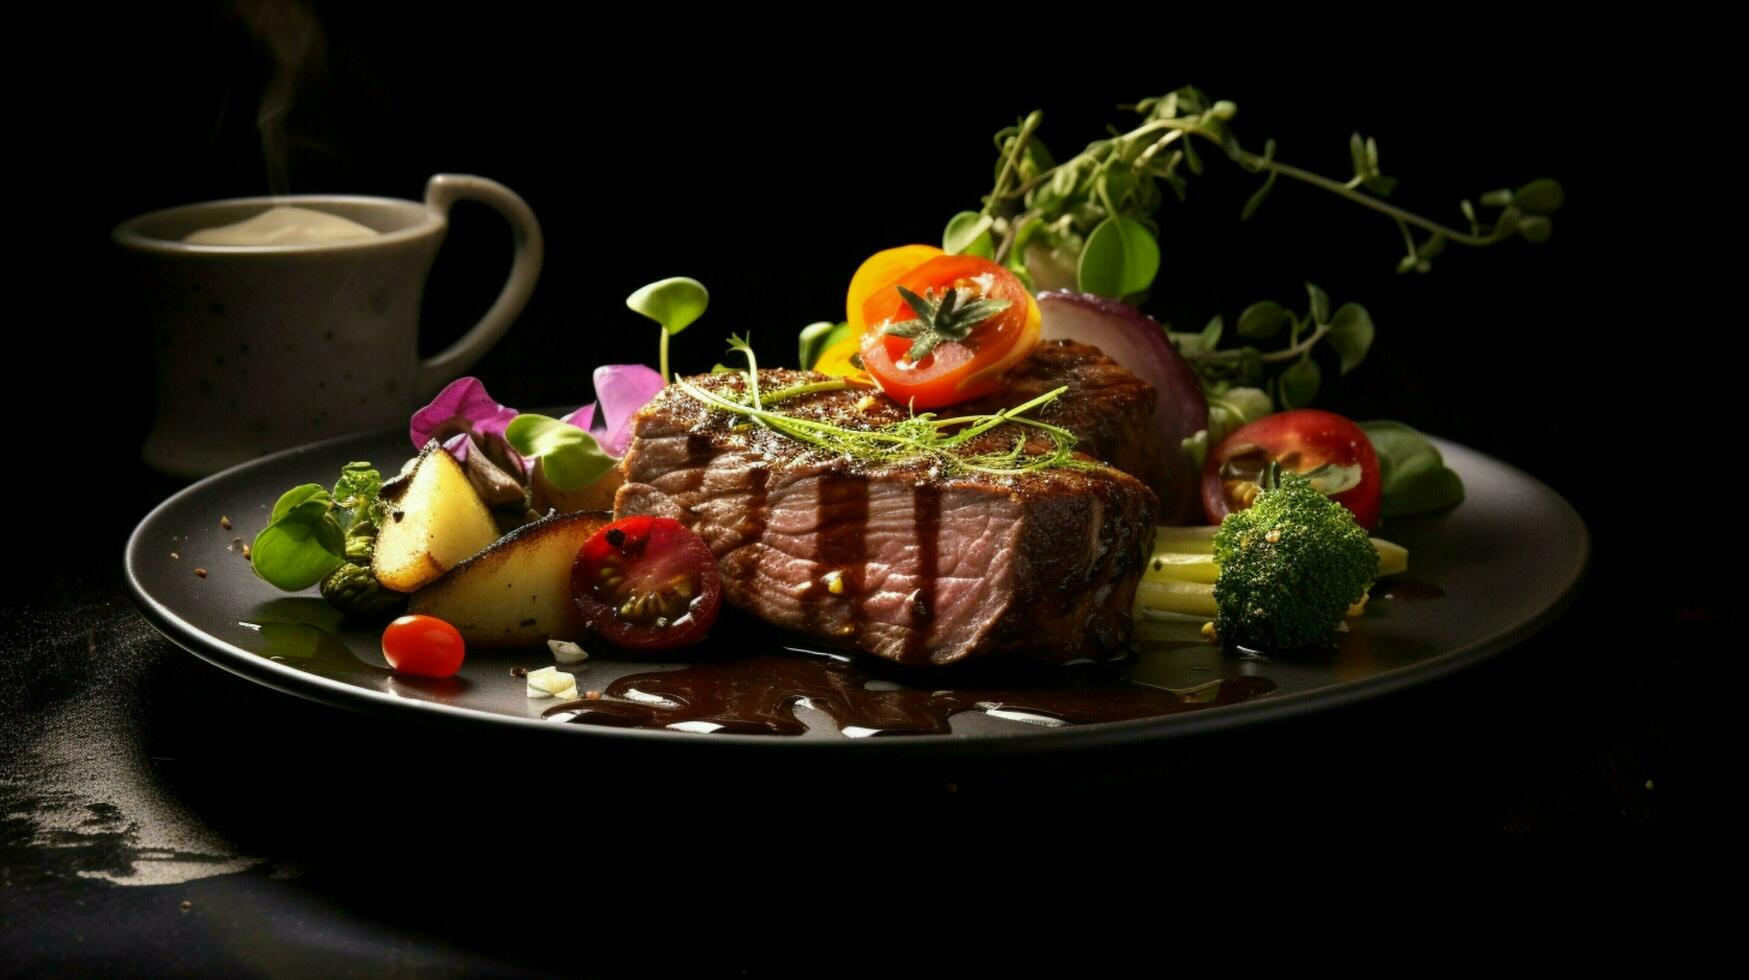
355, 591
1290, 566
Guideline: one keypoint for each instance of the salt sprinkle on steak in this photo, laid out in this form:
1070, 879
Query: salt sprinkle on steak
902, 561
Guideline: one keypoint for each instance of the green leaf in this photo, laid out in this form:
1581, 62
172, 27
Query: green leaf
301, 546
1196, 448
1357, 155
1413, 476
815, 338
1320, 304
1201, 342
1191, 160
1351, 333
297, 495
1117, 185
968, 233
1543, 196
1248, 404
1298, 385
569, 457
1507, 223
1211, 334
674, 303
1535, 228
1236, 407
1262, 320
1257, 198
1120, 258
1497, 198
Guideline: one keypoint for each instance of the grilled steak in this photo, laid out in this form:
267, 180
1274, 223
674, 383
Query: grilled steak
899, 559
1110, 409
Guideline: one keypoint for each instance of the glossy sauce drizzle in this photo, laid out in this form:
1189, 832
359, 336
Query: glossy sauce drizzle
758, 695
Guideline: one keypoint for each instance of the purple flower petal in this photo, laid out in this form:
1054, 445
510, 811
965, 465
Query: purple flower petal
465, 408
582, 418
620, 390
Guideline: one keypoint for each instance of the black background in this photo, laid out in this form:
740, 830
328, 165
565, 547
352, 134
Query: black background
768, 162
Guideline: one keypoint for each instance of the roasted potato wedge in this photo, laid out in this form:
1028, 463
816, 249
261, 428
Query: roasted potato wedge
517, 592
435, 521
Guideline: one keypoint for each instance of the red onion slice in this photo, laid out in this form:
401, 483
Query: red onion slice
1134, 340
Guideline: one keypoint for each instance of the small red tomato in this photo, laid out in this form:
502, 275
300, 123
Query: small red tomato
647, 583
1334, 452
423, 645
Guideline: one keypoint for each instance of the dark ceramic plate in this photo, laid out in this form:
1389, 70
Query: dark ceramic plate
1483, 576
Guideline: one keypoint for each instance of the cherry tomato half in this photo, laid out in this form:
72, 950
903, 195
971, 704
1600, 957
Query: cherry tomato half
647, 583
957, 370
1324, 446
423, 645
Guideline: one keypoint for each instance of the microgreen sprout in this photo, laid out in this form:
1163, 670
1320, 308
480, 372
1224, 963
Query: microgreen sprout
570, 458
673, 303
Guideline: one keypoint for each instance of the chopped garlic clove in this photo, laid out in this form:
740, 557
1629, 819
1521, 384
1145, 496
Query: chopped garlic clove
548, 681
566, 652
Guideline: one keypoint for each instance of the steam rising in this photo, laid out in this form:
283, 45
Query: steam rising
292, 36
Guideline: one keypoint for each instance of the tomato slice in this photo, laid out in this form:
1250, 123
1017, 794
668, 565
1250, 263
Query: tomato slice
647, 583
423, 645
956, 370
1324, 446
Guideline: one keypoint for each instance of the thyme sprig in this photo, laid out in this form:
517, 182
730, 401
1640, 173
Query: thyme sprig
925, 437
1095, 218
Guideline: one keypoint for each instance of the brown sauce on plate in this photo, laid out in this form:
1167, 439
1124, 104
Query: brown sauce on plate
759, 695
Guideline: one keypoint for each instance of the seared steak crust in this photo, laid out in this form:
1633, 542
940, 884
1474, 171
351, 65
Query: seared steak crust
1110, 409
900, 560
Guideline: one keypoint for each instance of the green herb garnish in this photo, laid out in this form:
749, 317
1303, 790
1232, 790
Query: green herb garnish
569, 458
674, 303
917, 438
1244, 371
941, 317
1413, 476
1092, 216
312, 531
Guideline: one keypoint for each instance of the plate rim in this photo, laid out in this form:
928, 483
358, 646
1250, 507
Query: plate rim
1030, 741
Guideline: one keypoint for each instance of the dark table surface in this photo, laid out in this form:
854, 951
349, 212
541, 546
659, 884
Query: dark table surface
163, 815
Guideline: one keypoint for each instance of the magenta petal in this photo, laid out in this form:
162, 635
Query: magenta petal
464, 407
457, 446
582, 418
620, 390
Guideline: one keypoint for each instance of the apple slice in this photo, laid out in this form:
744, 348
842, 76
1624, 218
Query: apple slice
436, 519
517, 592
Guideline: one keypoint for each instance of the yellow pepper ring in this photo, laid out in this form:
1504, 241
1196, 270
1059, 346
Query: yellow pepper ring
878, 271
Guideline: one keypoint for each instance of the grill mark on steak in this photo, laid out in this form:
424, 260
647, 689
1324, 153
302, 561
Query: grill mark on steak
841, 542
757, 478
926, 526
